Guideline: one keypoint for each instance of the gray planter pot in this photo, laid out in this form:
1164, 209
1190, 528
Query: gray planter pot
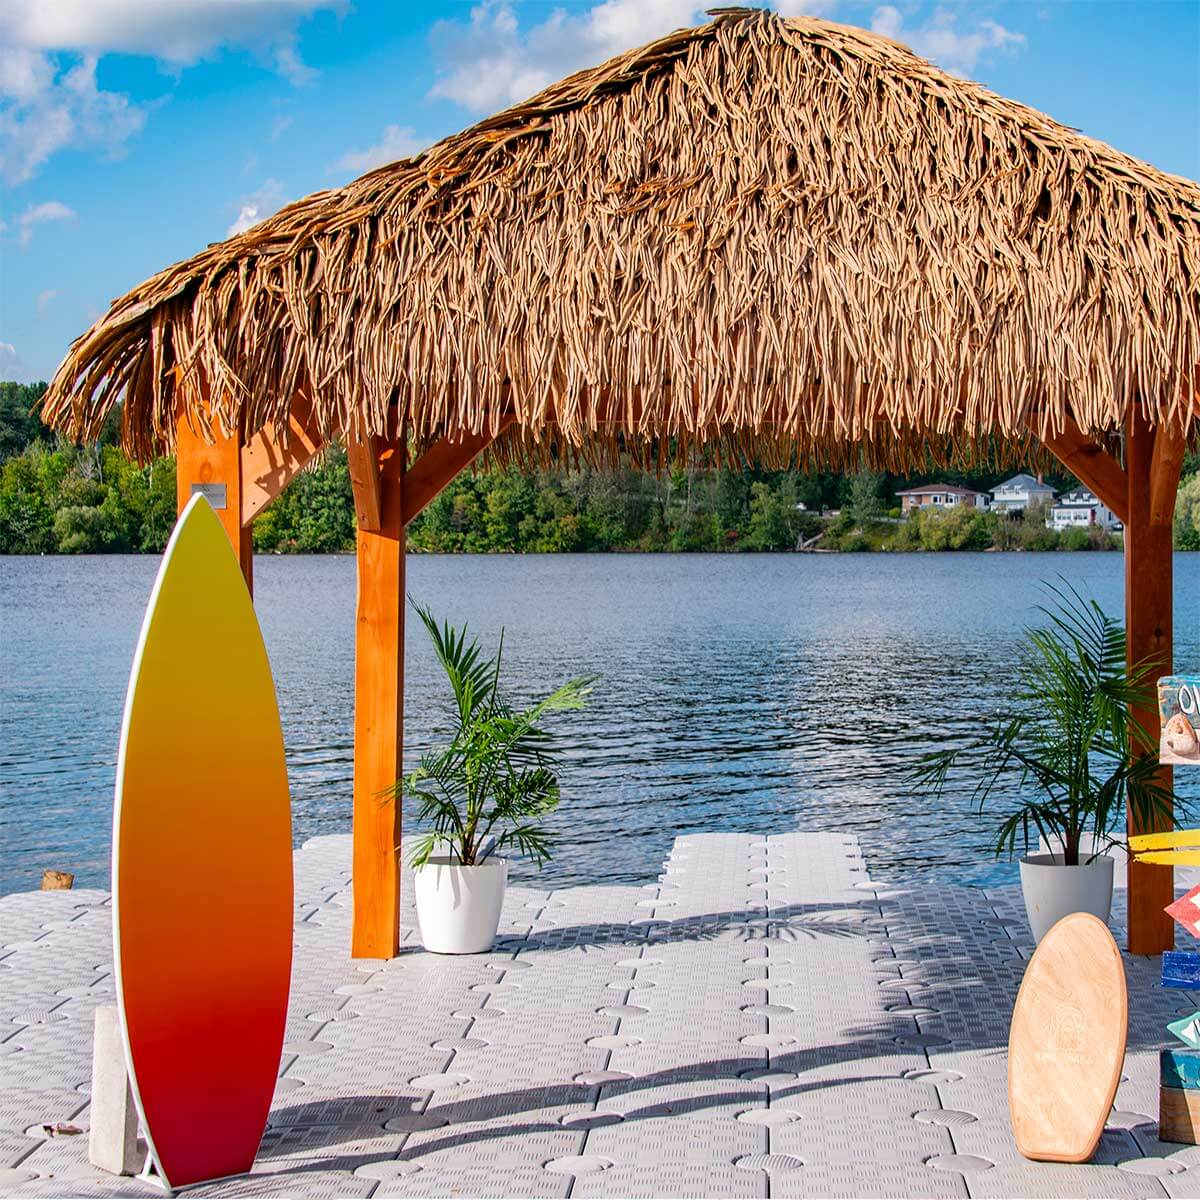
1053, 891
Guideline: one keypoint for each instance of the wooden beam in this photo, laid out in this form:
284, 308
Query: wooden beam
440, 464
216, 468
362, 457
270, 461
379, 711
1093, 466
1165, 465
1148, 637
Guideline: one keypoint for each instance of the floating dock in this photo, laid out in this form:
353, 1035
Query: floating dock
763, 1021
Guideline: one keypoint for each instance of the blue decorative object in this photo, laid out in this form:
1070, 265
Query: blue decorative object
1179, 1068
1181, 969
1187, 1030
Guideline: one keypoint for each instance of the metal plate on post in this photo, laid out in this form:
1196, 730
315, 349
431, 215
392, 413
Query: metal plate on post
214, 493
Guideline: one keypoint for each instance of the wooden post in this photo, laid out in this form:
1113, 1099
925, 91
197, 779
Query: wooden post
1148, 633
379, 702
216, 467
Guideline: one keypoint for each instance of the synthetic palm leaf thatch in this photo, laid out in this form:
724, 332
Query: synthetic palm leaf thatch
779, 237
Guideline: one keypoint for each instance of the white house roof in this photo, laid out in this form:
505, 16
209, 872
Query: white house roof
1022, 483
1078, 499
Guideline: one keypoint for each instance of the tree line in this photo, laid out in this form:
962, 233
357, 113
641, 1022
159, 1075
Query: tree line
59, 498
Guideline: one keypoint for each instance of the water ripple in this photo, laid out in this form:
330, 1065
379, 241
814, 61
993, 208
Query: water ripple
737, 692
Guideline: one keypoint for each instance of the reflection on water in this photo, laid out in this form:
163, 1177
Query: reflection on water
738, 692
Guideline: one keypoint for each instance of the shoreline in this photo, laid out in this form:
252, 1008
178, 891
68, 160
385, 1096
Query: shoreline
631, 552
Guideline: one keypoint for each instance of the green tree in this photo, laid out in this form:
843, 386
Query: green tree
20, 426
86, 529
697, 531
1187, 514
958, 528
734, 495
26, 512
865, 501
771, 525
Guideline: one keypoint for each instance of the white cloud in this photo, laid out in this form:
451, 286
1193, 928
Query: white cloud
49, 99
397, 142
12, 366
45, 299
490, 62
257, 206
173, 31
44, 109
289, 64
24, 73
40, 214
940, 40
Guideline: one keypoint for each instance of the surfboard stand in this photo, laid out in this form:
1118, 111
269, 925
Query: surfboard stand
150, 1175
113, 1138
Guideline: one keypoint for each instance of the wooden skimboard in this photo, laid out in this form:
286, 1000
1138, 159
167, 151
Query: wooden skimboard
1067, 1041
202, 865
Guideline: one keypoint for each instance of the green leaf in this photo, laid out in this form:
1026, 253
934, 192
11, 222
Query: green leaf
497, 777
1073, 748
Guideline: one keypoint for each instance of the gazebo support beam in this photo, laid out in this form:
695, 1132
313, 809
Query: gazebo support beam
1093, 466
1166, 463
270, 461
362, 459
386, 497
1152, 463
215, 467
379, 703
430, 474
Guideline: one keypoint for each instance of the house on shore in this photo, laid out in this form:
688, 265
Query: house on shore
1081, 510
1019, 492
941, 495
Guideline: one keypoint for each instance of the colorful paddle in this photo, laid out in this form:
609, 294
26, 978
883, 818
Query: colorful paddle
1179, 848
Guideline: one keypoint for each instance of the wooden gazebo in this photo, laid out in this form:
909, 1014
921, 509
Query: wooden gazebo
786, 240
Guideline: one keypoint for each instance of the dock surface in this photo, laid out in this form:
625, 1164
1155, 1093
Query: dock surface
763, 1021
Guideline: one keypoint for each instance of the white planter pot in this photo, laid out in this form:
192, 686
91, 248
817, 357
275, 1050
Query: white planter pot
459, 907
1053, 891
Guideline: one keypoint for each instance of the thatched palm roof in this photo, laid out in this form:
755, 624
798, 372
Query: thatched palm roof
787, 234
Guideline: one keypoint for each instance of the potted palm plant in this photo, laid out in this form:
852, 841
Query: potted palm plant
1079, 754
489, 789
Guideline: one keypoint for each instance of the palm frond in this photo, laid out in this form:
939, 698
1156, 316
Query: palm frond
1075, 738
495, 783
472, 677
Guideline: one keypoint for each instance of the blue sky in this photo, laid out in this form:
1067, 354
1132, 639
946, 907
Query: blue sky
134, 132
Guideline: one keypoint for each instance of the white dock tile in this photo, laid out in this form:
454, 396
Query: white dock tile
762, 1020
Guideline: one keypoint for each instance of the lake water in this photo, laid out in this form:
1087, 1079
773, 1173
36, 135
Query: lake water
738, 692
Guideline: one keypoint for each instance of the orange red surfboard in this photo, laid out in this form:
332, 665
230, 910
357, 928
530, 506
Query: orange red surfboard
202, 865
